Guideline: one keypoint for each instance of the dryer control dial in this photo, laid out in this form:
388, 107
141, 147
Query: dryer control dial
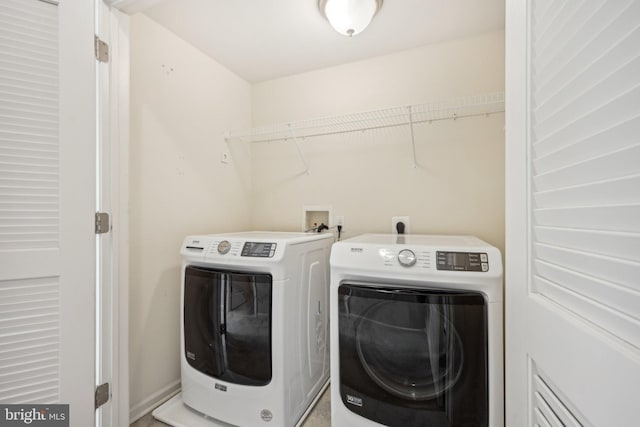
407, 258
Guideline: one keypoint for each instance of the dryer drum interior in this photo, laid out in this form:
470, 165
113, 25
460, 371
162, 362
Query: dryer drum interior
412, 351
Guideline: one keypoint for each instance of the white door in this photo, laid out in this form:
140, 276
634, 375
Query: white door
47, 204
573, 213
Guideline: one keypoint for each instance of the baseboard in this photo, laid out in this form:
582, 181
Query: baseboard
147, 405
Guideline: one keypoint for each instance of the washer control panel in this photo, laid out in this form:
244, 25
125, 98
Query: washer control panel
462, 261
259, 249
224, 247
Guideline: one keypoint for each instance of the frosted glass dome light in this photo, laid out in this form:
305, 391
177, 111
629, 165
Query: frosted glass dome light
349, 17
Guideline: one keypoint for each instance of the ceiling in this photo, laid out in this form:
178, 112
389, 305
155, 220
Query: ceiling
266, 39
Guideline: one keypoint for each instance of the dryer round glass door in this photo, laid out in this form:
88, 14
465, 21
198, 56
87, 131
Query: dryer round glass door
412, 351
413, 357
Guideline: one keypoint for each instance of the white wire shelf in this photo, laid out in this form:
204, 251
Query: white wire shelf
409, 115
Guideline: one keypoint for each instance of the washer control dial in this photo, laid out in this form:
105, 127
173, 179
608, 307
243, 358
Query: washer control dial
224, 247
407, 258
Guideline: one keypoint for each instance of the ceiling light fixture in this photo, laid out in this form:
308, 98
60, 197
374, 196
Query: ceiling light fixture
349, 17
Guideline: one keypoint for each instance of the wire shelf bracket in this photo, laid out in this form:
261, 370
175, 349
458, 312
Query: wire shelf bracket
413, 138
302, 157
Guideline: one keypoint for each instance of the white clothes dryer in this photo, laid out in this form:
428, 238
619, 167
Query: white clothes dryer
416, 332
254, 325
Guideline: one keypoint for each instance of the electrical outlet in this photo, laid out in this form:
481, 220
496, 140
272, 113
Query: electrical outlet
395, 220
339, 220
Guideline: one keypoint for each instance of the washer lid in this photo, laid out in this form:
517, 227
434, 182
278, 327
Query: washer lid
271, 236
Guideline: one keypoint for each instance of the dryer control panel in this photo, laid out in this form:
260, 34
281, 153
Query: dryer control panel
462, 261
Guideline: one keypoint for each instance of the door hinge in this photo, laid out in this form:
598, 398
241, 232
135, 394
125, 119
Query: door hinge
102, 394
102, 222
101, 49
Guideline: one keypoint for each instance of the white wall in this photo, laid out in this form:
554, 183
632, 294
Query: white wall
368, 177
181, 103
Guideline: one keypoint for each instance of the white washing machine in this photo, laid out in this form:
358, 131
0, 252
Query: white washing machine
416, 332
254, 327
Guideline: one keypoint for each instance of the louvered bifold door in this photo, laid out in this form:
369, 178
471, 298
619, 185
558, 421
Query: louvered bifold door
584, 211
29, 199
47, 205
585, 149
